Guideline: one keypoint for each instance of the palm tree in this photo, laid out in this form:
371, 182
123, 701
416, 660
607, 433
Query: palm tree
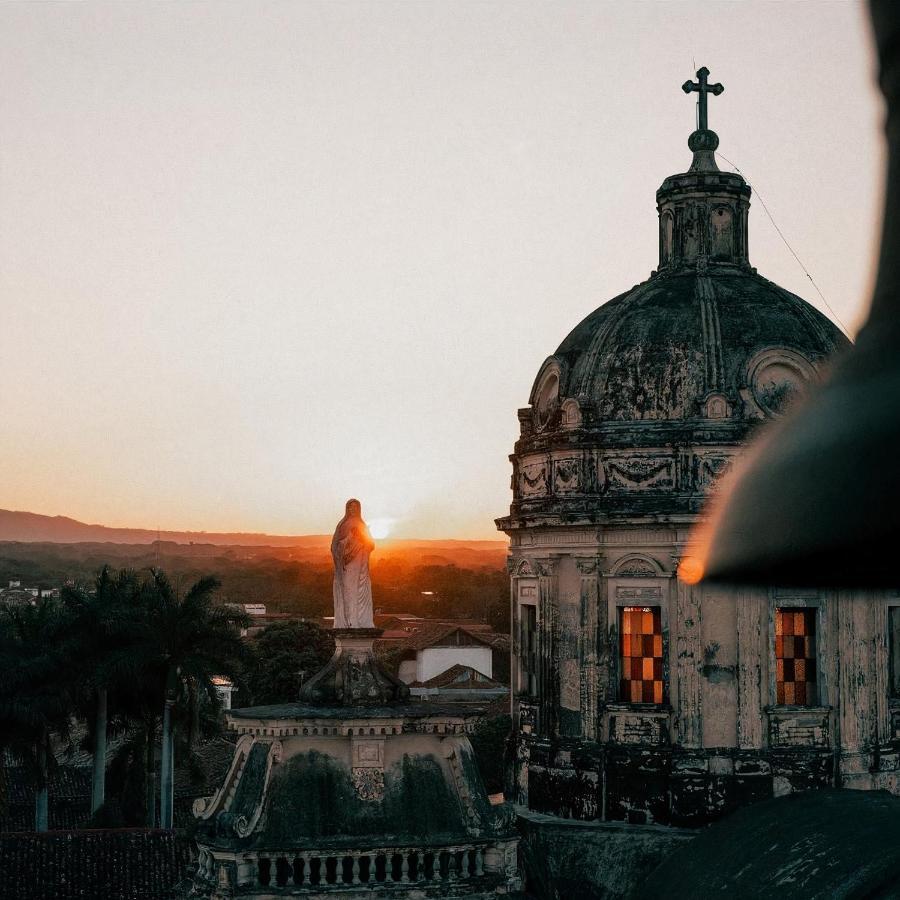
101, 632
182, 643
35, 693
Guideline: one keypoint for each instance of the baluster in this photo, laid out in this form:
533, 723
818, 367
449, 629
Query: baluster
452, 865
420, 868
355, 869
404, 867
479, 860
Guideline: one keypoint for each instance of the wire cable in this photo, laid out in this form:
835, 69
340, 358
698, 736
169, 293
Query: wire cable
759, 196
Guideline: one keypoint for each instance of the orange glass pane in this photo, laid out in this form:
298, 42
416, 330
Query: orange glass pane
789, 693
657, 645
647, 622
636, 691
779, 670
626, 621
800, 622
647, 673
779, 647
779, 624
657, 692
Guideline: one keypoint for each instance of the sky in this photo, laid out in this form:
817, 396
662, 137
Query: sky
259, 257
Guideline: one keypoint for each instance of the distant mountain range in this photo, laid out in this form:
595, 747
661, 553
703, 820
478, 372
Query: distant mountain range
35, 528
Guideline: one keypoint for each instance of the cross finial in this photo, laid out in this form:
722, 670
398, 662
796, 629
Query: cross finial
702, 88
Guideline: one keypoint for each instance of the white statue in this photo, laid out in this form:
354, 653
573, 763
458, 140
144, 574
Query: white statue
350, 549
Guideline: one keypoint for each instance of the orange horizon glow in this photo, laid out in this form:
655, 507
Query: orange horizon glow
259, 258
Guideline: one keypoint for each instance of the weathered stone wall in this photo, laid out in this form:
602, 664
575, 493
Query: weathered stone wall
566, 860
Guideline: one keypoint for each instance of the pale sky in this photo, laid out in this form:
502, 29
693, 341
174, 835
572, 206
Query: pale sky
258, 257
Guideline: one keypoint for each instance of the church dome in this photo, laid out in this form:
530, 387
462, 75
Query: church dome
644, 402
662, 349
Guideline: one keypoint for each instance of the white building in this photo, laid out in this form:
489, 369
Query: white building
434, 648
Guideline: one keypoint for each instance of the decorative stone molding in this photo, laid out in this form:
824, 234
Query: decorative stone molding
204, 807
533, 479
638, 472
716, 406
709, 468
570, 414
588, 565
638, 566
522, 568
635, 724
545, 567
799, 726
567, 475
353, 676
777, 377
545, 395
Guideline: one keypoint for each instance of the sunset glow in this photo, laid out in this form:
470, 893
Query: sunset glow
253, 264
380, 528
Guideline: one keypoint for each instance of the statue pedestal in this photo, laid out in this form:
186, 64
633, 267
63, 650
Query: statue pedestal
353, 676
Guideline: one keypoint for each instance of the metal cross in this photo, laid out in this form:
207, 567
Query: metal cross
702, 88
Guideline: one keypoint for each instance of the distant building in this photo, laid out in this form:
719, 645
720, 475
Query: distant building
435, 647
255, 609
16, 595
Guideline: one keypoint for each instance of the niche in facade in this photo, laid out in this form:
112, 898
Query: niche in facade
722, 222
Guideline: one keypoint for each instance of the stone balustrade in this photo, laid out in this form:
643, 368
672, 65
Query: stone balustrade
388, 866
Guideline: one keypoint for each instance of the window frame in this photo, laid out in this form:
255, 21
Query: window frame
527, 591
625, 678
660, 586
797, 600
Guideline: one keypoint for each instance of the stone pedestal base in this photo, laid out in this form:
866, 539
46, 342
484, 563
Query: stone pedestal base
353, 676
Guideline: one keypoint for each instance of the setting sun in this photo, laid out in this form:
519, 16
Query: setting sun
380, 528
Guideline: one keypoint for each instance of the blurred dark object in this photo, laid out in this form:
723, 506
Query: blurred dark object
817, 501
747, 855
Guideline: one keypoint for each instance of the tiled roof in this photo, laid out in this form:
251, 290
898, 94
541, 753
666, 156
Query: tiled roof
120, 864
433, 632
460, 677
66, 783
213, 757
70, 790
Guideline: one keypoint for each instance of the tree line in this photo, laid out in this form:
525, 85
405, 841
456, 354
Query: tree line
267, 575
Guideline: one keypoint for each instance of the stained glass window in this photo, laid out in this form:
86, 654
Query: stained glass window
795, 657
642, 655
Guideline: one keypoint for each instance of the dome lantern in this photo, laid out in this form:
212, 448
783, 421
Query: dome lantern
703, 212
